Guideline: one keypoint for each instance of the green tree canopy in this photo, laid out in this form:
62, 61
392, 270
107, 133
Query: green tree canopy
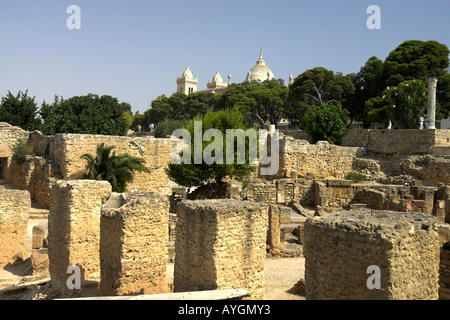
20, 110
259, 102
191, 174
88, 114
326, 122
369, 83
419, 60
179, 106
317, 87
403, 104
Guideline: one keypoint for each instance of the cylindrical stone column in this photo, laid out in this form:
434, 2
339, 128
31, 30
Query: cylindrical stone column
431, 113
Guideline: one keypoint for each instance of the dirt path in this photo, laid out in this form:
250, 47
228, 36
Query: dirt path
281, 274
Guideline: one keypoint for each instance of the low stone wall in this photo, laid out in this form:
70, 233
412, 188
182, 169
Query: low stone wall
340, 248
356, 138
220, 244
14, 213
297, 134
37, 176
67, 149
299, 159
397, 142
133, 250
282, 191
74, 233
9, 135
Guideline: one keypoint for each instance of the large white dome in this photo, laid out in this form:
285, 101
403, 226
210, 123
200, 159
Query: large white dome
260, 71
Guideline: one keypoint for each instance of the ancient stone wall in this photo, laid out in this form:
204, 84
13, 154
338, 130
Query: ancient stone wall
9, 135
14, 213
322, 160
282, 191
220, 244
67, 149
428, 168
356, 138
37, 176
297, 134
133, 251
397, 142
340, 248
74, 232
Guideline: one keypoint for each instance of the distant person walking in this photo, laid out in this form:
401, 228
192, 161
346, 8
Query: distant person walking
421, 122
390, 125
151, 127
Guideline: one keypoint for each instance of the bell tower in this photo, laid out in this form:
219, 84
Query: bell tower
187, 84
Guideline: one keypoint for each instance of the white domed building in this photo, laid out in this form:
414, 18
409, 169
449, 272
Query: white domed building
217, 82
260, 72
187, 83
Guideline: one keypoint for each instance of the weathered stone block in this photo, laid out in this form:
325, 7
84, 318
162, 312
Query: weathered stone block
14, 213
39, 233
133, 245
74, 232
339, 249
273, 232
221, 244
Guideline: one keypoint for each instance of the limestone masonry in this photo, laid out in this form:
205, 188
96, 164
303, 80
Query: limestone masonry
339, 249
14, 213
133, 250
374, 210
220, 244
74, 231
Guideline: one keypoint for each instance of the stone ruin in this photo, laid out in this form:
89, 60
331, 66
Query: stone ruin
119, 241
111, 236
133, 251
340, 248
14, 213
74, 231
220, 244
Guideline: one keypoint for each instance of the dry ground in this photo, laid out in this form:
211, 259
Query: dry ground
281, 275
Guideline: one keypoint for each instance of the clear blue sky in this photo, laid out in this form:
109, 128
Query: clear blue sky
134, 50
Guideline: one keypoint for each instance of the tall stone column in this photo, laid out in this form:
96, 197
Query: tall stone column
431, 113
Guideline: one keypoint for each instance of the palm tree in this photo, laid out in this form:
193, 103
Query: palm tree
116, 169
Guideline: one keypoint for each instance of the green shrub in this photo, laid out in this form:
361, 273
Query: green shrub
326, 122
355, 177
20, 151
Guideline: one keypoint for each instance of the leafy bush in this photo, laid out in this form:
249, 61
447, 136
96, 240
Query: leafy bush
192, 174
20, 150
90, 114
326, 122
116, 169
355, 177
